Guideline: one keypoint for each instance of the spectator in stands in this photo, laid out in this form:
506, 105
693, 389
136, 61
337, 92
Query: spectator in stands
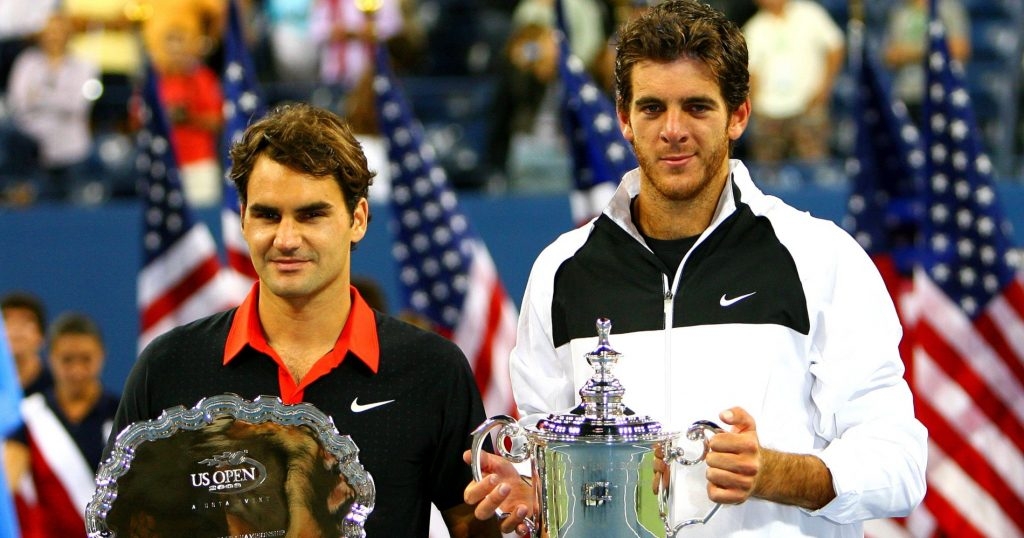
66, 427
19, 22
796, 53
200, 21
295, 54
906, 41
192, 97
105, 34
526, 122
51, 93
25, 318
584, 23
526, 129
345, 36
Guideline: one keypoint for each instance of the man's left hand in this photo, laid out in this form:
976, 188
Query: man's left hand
734, 460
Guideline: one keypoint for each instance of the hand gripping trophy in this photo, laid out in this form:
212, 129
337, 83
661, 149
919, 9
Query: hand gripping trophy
599, 470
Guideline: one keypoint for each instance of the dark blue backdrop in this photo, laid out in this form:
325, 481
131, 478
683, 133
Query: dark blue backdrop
86, 259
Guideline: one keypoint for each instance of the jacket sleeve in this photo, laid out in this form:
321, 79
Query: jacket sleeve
542, 380
877, 449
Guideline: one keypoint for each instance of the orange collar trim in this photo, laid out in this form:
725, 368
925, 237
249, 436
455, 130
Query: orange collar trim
359, 336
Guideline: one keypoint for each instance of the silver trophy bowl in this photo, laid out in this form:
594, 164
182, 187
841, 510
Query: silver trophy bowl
599, 470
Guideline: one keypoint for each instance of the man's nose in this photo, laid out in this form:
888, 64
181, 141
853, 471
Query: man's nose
287, 236
674, 129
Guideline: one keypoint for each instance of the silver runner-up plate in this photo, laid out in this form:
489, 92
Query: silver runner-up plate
232, 468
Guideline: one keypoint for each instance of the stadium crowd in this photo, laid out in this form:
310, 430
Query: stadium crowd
482, 77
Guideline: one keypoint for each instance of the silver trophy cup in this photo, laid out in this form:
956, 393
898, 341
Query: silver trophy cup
599, 470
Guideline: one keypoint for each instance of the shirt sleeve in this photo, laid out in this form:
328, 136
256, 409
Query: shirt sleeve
464, 412
133, 406
19, 83
830, 32
877, 449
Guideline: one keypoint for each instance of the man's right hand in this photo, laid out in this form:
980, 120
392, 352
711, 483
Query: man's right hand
501, 488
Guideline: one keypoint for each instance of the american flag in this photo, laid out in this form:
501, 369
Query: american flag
446, 274
966, 317
887, 172
181, 278
969, 338
600, 154
885, 206
242, 104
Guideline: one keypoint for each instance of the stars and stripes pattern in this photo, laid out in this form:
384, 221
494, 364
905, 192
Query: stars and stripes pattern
885, 206
181, 278
964, 346
445, 271
243, 103
968, 362
600, 154
886, 172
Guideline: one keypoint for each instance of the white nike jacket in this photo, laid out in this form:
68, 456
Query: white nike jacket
772, 310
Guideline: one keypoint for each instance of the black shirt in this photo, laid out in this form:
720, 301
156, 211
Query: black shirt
412, 446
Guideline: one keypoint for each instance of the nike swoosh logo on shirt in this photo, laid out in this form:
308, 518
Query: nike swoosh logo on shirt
729, 302
359, 408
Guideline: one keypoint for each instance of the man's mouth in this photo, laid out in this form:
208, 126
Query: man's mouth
677, 159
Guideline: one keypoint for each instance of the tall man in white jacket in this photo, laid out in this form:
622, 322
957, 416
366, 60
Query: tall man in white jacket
722, 298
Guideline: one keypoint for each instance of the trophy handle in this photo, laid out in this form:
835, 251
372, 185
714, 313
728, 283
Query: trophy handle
701, 430
698, 431
517, 451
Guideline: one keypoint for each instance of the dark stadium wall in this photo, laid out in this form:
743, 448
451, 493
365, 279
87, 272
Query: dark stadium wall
86, 259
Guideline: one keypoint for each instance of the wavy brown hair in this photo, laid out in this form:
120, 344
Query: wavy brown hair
306, 139
684, 29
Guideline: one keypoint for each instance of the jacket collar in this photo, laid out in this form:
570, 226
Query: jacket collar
738, 185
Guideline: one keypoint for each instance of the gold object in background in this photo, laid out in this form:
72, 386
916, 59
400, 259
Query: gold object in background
138, 11
369, 6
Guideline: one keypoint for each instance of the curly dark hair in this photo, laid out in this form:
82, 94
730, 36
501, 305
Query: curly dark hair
684, 29
306, 139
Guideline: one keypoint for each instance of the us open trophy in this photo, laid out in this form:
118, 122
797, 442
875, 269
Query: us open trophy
599, 470
230, 467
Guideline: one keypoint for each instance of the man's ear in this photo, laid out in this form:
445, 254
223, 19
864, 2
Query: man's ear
624, 126
738, 120
360, 220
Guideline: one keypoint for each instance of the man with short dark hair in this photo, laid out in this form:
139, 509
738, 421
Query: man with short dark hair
725, 301
66, 427
407, 397
25, 319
